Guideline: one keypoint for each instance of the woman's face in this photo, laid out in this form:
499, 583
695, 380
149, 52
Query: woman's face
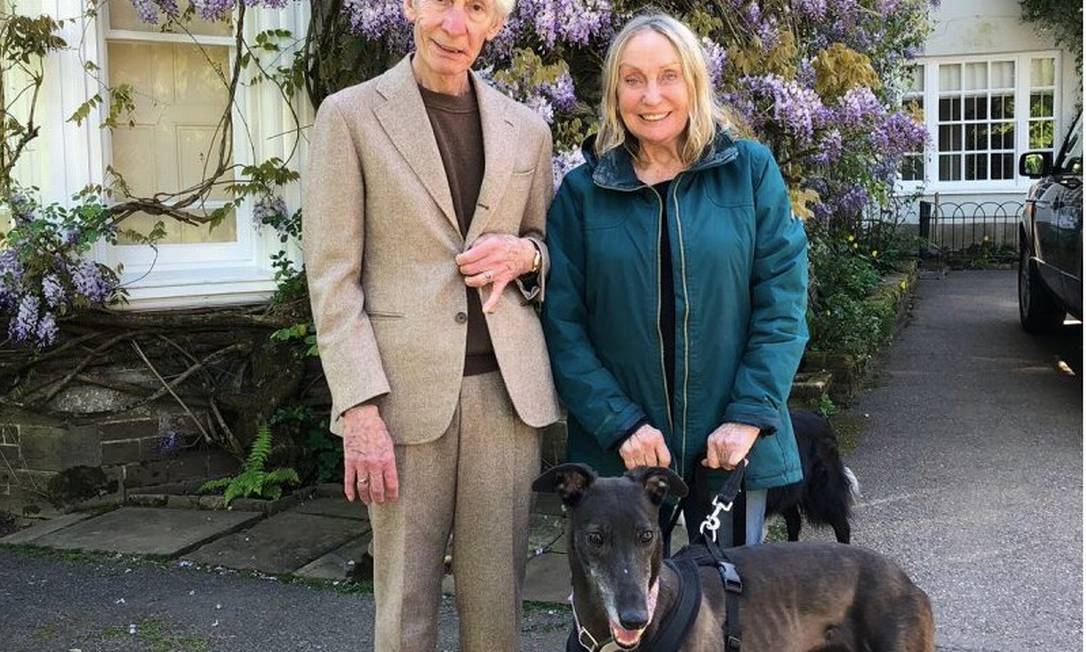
653, 97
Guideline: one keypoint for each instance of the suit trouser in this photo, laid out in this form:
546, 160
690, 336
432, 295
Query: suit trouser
475, 482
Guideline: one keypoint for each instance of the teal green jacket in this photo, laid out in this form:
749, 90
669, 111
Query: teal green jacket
740, 288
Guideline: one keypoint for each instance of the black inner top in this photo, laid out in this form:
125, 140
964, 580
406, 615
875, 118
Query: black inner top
667, 292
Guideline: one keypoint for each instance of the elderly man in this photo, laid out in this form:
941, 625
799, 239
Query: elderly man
425, 202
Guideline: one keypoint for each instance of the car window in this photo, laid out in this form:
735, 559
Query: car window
1071, 153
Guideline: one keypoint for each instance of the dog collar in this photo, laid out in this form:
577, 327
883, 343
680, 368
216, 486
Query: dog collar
588, 642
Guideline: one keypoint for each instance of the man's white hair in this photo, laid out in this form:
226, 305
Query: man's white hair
505, 7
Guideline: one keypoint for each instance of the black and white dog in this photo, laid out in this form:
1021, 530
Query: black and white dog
828, 490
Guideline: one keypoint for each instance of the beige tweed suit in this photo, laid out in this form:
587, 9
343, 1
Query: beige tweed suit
380, 237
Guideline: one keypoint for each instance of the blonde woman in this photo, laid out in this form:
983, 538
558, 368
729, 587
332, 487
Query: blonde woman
677, 290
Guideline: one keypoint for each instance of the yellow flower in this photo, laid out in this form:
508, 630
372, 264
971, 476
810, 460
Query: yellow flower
855, 245
875, 253
851, 238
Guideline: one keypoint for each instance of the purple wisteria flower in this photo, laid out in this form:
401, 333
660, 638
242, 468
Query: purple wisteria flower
810, 9
46, 331
375, 19
859, 106
566, 161
52, 290
576, 22
214, 9
561, 93
830, 147
88, 281
23, 326
791, 107
716, 59
149, 11
268, 210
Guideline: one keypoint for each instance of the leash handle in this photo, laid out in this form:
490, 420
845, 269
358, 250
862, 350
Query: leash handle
723, 501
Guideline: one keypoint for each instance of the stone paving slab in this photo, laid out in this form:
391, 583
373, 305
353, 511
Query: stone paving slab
280, 544
547, 579
547, 533
45, 527
147, 531
336, 564
336, 507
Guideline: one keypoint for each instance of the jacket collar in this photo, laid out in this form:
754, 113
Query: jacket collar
615, 170
403, 117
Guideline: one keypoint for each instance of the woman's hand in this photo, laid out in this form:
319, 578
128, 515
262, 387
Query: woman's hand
645, 447
729, 444
495, 259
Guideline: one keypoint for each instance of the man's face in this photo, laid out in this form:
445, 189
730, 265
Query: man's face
449, 34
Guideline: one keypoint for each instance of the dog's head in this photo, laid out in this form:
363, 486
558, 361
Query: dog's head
615, 545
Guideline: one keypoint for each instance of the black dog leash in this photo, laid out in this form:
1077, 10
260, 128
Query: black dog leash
723, 501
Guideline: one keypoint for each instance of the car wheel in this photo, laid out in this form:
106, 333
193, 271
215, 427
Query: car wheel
1037, 308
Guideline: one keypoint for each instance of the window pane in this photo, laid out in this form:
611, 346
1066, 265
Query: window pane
1002, 106
1043, 72
976, 167
912, 168
1002, 166
1042, 134
950, 138
950, 167
1002, 135
950, 77
1002, 74
976, 107
976, 76
976, 137
174, 139
950, 109
122, 15
1041, 104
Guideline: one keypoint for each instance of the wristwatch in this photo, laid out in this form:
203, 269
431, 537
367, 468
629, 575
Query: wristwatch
537, 260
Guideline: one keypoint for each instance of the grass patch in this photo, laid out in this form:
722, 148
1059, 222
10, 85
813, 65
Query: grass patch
156, 636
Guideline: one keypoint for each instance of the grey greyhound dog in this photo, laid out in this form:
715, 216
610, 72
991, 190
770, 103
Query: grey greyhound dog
795, 596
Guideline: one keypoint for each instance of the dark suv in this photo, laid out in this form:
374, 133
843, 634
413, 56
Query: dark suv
1050, 235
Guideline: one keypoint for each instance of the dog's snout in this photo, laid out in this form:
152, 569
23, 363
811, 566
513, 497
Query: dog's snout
633, 618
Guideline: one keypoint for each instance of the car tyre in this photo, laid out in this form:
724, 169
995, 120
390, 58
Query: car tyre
1037, 308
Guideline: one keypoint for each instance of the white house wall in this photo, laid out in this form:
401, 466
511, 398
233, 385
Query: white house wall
969, 28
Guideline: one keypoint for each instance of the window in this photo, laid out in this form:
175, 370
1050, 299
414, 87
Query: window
1042, 104
976, 121
912, 165
174, 133
979, 121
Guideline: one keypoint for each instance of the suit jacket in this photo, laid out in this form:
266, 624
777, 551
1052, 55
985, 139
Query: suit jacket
380, 236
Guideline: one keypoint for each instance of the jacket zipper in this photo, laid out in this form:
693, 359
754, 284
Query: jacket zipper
686, 314
659, 305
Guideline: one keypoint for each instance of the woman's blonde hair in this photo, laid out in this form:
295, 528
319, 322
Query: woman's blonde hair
705, 112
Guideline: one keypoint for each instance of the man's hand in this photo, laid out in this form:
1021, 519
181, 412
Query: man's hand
369, 460
645, 447
496, 259
729, 444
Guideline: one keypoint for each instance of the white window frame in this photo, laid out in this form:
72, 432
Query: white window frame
190, 274
1022, 87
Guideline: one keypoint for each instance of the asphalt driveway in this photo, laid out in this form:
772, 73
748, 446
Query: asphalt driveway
971, 467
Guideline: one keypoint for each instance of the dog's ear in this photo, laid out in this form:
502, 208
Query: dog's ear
569, 481
659, 482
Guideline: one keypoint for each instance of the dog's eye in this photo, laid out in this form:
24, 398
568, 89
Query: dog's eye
646, 536
595, 539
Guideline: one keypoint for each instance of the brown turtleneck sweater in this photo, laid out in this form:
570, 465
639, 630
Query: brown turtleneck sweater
459, 134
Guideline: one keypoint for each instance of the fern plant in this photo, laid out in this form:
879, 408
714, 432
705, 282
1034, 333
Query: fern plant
253, 479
